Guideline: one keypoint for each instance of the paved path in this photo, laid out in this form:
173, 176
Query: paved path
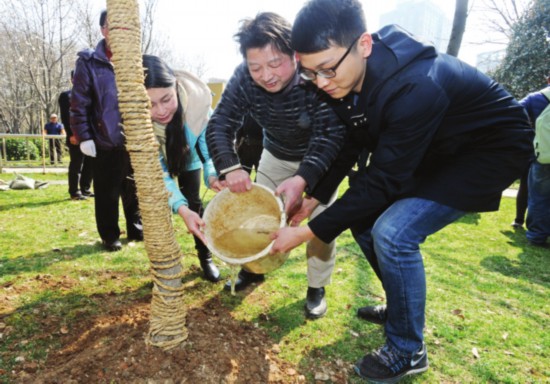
34, 170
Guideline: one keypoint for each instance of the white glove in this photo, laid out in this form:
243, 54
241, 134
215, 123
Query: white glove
88, 148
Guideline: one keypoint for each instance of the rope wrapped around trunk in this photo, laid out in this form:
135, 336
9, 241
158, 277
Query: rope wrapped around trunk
168, 310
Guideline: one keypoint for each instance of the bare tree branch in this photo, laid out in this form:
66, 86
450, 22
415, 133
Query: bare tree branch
42, 37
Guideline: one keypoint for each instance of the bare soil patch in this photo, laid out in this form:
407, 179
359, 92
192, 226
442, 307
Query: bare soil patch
111, 348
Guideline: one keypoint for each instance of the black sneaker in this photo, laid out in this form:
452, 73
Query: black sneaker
374, 313
78, 196
386, 365
136, 236
112, 246
516, 224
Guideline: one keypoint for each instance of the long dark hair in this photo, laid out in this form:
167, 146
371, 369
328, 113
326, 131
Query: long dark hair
159, 75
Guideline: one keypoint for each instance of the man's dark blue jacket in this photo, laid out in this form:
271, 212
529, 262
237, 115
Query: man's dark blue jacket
435, 127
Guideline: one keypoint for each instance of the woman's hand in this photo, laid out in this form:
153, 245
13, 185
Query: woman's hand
288, 238
215, 184
193, 222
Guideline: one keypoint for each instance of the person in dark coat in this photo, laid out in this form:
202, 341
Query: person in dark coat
534, 103
95, 121
80, 167
444, 140
538, 180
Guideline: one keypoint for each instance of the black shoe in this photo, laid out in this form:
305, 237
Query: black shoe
386, 365
538, 244
88, 193
316, 305
375, 313
112, 246
78, 196
244, 279
516, 224
211, 272
138, 236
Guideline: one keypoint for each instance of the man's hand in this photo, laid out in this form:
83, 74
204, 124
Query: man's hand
286, 239
305, 211
73, 140
193, 222
238, 181
88, 148
291, 191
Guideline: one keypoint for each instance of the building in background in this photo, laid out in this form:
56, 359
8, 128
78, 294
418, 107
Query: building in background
216, 86
423, 19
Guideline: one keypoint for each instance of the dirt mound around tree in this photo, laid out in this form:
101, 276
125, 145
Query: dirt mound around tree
110, 348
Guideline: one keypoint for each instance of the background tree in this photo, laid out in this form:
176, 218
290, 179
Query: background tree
16, 97
88, 21
504, 15
459, 25
526, 65
40, 39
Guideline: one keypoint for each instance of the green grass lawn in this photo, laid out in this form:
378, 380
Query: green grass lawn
487, 316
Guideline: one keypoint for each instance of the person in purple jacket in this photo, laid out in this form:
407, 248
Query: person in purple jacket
95, 121
443, 138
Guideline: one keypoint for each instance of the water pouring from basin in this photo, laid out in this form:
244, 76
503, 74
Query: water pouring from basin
238, 226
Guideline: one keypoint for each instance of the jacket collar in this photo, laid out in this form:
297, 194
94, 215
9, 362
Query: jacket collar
100, 53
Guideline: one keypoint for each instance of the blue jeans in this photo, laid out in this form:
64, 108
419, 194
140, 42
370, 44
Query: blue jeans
394, 246
538, 211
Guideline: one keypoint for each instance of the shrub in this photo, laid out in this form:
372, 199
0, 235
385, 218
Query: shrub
18, 149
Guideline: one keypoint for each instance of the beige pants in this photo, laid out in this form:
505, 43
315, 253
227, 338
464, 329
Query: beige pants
320, 255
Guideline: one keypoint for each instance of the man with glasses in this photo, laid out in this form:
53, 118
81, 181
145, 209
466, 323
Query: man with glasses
443, 138
302, 136
326, 73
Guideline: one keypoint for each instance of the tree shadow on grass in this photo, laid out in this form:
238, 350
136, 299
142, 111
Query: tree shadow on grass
31, 204
470, 218
37, 262
533, 262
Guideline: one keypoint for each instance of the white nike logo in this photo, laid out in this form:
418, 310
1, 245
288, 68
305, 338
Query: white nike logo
419, 356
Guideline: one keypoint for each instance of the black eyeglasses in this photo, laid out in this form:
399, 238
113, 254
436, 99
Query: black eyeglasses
327, 73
